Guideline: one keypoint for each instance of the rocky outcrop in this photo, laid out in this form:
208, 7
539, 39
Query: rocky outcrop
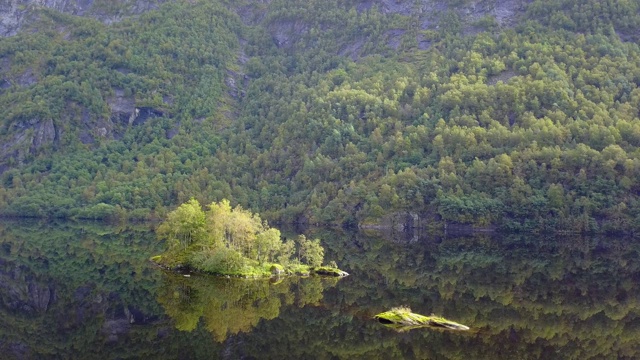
286, 33
329, 271
15, 13
28, 137
277, 270
425, 14
11, 17
505, 12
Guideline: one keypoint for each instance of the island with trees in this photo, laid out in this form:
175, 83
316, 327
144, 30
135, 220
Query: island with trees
235, 242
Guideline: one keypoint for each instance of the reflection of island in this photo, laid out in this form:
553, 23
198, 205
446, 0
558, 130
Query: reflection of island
88, 291
231, 306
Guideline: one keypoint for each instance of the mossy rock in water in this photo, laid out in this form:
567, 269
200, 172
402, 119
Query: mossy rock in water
329, 271
277, 270
402, 317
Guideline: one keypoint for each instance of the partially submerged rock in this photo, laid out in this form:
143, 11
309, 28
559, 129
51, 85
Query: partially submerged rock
277, 270
329, 271
402, 317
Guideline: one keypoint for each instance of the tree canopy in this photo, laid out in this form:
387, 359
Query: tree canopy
348, 115
231, 241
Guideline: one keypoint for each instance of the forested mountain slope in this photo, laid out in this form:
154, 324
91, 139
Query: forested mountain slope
519, 114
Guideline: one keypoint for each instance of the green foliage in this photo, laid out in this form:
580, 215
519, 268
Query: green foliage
310, 251
219, 261
229, 241
184, 226
287, 249
268, 245
533, 127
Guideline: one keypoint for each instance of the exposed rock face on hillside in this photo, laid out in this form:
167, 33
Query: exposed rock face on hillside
14, 13
425, 14
34, 133
27, 138
503, 10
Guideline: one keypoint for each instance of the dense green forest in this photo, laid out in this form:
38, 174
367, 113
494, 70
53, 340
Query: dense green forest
329, 112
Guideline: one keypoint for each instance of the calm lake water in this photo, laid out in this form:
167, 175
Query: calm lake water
86, 291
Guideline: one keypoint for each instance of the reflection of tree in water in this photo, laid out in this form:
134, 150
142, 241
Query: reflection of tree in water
231, 306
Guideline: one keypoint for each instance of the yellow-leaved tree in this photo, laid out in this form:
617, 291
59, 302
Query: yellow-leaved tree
229, 240
184, 226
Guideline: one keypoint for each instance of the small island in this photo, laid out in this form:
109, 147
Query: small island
402, 319
235, 242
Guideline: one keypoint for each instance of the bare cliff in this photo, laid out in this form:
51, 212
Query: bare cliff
14, 14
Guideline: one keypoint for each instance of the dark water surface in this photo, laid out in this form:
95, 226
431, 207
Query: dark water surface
86, 291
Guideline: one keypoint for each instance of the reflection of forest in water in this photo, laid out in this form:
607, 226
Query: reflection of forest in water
83, 290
